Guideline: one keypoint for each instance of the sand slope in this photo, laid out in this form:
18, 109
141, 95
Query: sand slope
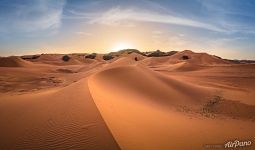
57, 119
198, 58
149, 85
13, 61
136, 105
195, 61
56, 59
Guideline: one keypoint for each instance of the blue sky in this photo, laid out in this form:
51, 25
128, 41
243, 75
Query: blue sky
221, 27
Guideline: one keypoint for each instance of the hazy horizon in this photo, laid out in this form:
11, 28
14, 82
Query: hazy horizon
223, 28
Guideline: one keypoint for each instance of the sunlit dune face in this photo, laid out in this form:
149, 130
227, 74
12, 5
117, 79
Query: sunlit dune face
121, 46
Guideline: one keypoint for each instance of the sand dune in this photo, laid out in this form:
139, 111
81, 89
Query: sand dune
13, 61
198, 58
122, 62
152, 61
194, 61
133, 103
56, 59
130, 102
149, 85
57, 119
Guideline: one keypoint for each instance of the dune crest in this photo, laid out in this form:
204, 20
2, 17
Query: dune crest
155, 87
198, 58
14, 61
65, 118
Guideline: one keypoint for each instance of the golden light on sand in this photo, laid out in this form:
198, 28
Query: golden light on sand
121, 46
134, 101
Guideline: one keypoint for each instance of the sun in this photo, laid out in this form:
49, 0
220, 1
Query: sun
121, 46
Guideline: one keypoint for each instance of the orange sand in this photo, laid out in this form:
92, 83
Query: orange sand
153, 103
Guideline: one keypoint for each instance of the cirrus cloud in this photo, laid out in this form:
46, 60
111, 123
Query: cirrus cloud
31, 16
118, 16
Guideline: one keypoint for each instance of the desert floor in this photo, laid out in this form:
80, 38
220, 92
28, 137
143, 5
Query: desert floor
154, 103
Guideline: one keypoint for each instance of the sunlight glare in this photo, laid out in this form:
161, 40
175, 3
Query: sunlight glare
121, 46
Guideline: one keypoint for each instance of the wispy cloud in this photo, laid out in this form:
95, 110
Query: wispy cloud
32, 16
83, 33
219, 16
118, 16
235, 16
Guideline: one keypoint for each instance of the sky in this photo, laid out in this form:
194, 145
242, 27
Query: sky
221, 27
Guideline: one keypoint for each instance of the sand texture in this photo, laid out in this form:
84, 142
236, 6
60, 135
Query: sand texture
131, 102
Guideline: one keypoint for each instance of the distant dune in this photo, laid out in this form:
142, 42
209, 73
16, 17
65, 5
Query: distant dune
13, 62
127, 100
